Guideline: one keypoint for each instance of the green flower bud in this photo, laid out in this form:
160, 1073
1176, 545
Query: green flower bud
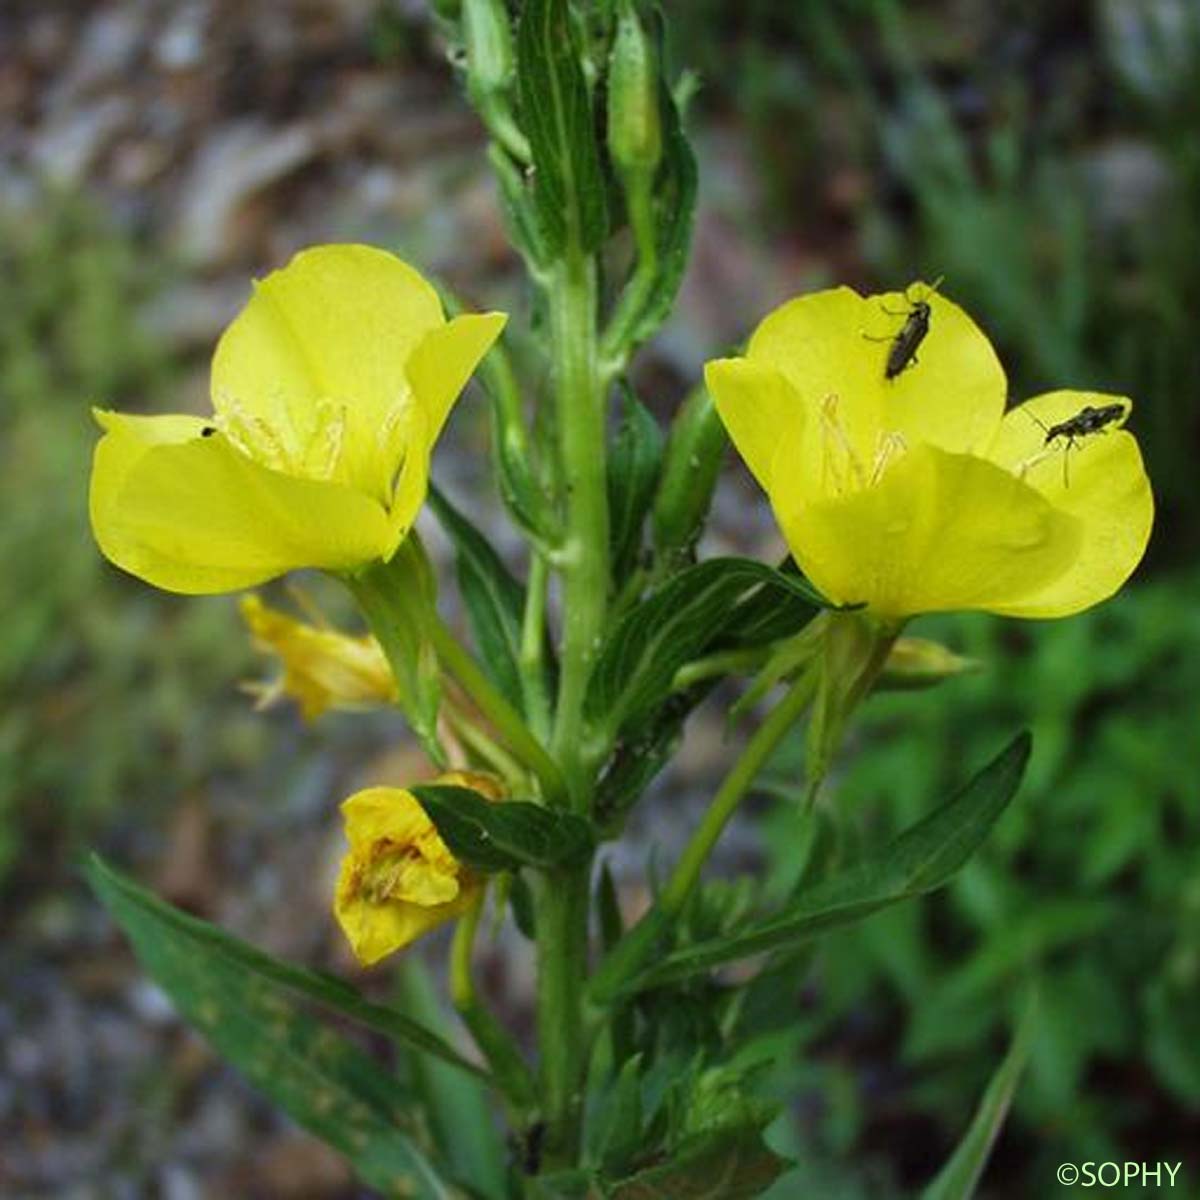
487, 36
919, 663
691, 462
634, 126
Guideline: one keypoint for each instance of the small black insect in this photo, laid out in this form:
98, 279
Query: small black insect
208, 431
1089, 419
904, 345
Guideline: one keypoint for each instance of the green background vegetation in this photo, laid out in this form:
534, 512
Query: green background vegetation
982, 142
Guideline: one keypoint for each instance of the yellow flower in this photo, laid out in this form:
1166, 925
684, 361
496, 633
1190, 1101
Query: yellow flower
322, 668
920, 493
399, 880
329, 390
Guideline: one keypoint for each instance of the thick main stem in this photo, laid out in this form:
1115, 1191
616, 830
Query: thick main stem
584, 556
562, 916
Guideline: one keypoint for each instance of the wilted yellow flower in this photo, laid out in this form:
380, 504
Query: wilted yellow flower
919, 493
329, 391
322, 667
398, 879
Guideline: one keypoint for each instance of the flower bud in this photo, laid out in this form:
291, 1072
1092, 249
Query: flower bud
488, 39
634, 125
691, 462
919, 663
323, 668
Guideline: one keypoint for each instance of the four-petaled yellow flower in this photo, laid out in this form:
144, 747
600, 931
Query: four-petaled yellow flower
329, 390
399, 880
323, 668
920, 493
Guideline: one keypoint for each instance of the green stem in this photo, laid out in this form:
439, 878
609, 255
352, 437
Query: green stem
735, 785
531, 658
485, 749
508, 1067
562, 902
496, 708
584, 557
618, 337
724, 662
640, 942
562, 925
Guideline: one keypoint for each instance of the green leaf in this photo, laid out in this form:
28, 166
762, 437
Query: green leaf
615, 1130
504, 837
495, 601
633, 465
457, 1107
639, 755
920, 860
324, 1082
206, 942
638, 662
767, 616
556, 115
733, 1165
958, 1179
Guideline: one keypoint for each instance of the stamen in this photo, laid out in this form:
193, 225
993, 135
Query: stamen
833, 428
890, 445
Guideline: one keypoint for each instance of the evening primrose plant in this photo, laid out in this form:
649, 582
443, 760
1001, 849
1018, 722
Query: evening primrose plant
903, 483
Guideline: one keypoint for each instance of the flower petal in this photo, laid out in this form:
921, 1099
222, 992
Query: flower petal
940, 532
192, 514
334, 328
383, 812
444, 359
953, 392
1100, 481
376, 930
833, 346
758, 407
817, 342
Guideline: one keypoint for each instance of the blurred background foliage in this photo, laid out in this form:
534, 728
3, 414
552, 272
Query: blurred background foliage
1044, 158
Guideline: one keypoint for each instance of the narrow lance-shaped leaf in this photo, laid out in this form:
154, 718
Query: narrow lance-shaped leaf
920, 860
155, 918
323, 1081
556, 115
959, 1178
504, 837
639, 660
